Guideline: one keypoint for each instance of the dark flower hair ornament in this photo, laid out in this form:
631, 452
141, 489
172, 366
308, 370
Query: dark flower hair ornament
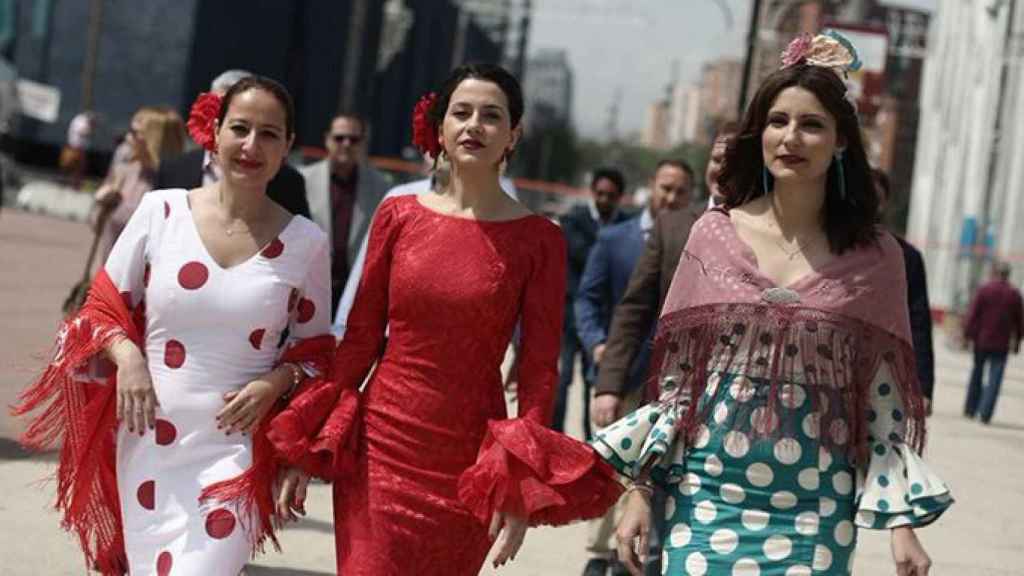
424, 133
202, 119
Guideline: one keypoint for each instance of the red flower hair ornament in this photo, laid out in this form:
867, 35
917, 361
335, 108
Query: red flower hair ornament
202, 119
424, 134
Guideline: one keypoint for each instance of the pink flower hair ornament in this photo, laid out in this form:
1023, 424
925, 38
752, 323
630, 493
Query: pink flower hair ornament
831, 50
202, 119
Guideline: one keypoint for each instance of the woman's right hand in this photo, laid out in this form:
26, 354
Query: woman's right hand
136, 397
633, 530
291, 493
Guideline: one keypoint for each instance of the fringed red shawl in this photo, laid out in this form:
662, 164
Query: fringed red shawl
313, 430
830, 331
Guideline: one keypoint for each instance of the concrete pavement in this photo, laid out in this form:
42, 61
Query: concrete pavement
41, 257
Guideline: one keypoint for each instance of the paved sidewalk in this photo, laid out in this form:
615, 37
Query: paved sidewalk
41, 257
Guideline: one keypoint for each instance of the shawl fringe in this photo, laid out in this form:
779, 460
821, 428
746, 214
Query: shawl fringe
833, 357
78, 416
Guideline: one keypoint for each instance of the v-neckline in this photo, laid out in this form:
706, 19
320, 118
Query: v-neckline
209, 255
752, 262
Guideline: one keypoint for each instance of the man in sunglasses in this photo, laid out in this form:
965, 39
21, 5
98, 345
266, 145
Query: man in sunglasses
343, 191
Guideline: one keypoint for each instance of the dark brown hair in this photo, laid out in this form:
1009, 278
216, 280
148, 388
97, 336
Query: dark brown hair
849, 218
487, 72
272, 87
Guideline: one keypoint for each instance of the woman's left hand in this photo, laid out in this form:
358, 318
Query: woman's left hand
907, 552
245, 408
514, 529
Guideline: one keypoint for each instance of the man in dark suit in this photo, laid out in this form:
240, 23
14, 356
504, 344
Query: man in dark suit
580, 226
344, 190
917, 300
607, 272
197, 168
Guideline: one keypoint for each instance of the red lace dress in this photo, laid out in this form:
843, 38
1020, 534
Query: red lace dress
436, 308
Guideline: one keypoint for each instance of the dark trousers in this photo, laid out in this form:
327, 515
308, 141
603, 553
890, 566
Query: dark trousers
571, 346
988, 394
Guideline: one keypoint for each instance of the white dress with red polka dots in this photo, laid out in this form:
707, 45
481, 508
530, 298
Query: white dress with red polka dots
209, 330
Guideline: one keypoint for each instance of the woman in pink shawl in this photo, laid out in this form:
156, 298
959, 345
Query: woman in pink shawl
789, 412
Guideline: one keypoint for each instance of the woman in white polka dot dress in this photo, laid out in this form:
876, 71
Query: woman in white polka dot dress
205, 284
789, 413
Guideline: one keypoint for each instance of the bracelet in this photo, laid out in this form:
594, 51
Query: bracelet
297, 375
641, 486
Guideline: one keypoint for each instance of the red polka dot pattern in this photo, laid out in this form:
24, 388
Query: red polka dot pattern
193, 275
174, 354
220, 523
256, 338
274, 249
164, 562
306, 310
146, 494
167, 209
165, 432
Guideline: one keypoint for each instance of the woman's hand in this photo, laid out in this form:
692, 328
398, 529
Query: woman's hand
514, 528
136, 398
632, 532
291, 494
245, 408
909, 555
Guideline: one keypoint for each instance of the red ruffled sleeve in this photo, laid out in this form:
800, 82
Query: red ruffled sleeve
531, 471
523, 467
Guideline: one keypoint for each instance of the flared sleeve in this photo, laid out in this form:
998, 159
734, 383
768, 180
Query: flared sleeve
523, 467
648, 438
897, 488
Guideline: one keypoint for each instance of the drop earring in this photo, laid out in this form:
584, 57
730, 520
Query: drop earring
767, 180
840, 174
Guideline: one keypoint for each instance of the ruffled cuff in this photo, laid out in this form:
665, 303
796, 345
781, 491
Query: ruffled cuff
899, 490
530, 471
318, 430
647, 436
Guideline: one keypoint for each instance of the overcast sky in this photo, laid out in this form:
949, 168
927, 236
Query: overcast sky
631, 44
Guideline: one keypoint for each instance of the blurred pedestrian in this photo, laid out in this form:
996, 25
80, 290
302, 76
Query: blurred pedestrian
917, 299
166, 463
580, 227
155, 135
994, 325
716, 196
199, 167
608, 269
74, 159
440, 470
344, 190
789, 412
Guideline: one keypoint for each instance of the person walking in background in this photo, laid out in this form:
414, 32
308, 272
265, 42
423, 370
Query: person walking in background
636, 314
580, 227
994, 325
344, 190
608, 269
166, 466
790, 412
716, 196
155, 135
74, 159
917, 299
199, 167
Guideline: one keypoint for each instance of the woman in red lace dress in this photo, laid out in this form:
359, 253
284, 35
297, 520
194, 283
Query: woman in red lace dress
440, 470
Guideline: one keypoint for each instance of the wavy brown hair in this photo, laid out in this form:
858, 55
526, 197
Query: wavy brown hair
849, 220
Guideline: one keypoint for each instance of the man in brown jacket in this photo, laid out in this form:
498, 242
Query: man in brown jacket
636, 314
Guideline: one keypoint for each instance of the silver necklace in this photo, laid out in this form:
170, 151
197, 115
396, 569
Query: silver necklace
800, 247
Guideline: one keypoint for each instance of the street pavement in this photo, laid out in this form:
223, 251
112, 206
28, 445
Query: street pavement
41, 257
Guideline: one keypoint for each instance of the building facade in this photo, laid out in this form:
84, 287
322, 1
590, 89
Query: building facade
966, 207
